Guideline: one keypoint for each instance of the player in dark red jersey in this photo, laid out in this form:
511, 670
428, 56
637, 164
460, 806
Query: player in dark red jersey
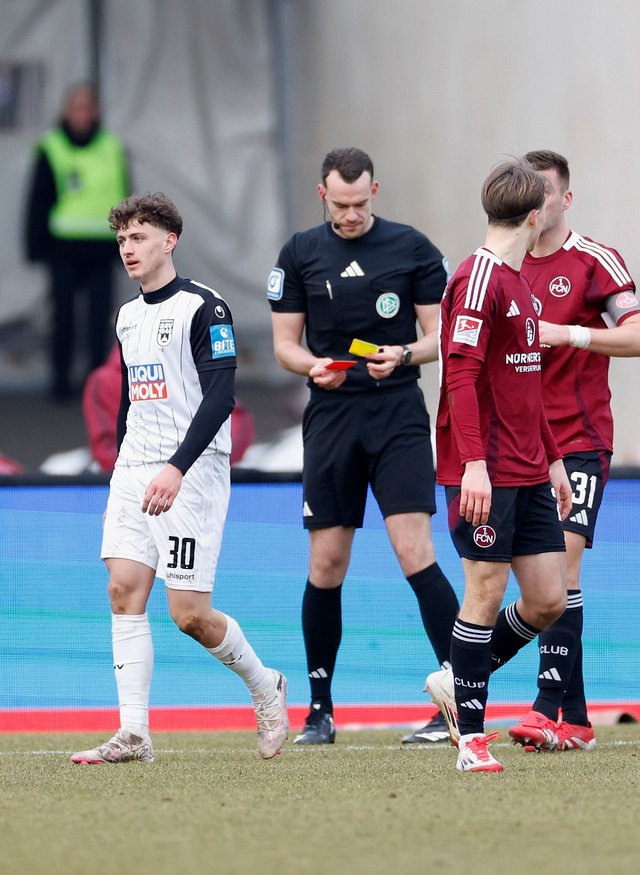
497, 459
580, 287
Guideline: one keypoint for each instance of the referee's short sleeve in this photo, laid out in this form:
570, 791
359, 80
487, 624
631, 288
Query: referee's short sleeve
431, 271
285, 287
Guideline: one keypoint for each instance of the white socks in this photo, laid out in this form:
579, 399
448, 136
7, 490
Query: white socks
133, 665
237, 654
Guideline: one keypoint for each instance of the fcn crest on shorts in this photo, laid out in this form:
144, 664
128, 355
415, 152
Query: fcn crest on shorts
165, 332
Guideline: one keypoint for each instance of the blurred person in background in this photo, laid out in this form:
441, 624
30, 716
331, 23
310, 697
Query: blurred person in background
80, 170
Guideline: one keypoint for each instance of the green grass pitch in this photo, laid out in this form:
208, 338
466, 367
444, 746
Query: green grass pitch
364, 806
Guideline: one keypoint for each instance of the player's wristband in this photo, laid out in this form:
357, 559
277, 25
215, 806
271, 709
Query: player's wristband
579, 336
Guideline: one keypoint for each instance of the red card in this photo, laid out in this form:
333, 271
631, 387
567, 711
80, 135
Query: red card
339, 365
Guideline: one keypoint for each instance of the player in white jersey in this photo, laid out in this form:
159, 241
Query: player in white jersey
170, 488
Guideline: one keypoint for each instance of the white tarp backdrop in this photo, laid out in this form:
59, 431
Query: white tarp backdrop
435, 90
189, 89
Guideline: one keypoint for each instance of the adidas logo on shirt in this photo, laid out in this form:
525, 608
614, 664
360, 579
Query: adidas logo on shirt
306, 510
353, 269
513, 310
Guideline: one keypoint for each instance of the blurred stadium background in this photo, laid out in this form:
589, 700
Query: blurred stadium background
230, 105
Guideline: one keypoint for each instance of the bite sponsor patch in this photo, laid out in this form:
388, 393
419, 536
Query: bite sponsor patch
223, 344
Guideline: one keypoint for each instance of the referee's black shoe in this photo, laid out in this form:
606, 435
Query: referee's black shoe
319, 728
435, 730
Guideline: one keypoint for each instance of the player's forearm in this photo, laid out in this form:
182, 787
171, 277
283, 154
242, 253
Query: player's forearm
423, 350
295, 358
623, 341
620, 342
464, 408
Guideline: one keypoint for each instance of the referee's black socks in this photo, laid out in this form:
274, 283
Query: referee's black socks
439, 608
322, 632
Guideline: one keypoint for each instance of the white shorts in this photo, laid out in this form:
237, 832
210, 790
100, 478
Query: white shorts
182, 545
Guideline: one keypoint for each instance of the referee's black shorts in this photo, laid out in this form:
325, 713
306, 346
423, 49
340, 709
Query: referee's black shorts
351, 440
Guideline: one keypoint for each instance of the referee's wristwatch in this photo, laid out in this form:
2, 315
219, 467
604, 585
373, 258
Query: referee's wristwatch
405, 358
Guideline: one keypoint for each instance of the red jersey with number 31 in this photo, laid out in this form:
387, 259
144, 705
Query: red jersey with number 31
488, 314
574, 286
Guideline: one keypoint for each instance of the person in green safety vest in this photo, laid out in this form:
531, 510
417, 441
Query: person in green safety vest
80, 171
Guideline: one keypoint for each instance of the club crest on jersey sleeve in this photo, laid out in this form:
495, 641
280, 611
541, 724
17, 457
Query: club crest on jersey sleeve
147, 383
223, 344
467, 330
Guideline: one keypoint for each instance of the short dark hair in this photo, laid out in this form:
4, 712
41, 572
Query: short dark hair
150, 209
545, 159
350, 163
511, 191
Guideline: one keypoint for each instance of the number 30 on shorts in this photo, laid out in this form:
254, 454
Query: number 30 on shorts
182, 552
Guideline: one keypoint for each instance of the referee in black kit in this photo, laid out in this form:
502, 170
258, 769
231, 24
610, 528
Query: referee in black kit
357, 276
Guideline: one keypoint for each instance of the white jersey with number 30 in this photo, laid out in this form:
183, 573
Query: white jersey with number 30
168, 339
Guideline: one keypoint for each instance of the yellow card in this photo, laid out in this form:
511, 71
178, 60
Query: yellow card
362, 347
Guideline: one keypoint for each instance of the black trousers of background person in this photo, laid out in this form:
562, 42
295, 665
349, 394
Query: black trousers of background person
80, 268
